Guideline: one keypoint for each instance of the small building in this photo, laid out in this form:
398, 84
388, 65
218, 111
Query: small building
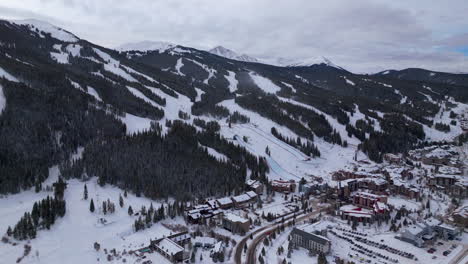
442, 180
460, 216
368, 200
426, 233
169, 249
310, 238
182, 238
407, 190
236, 224
243, 200
201, 212
284, 186
356, 214
393, 158
225, 203
255, 186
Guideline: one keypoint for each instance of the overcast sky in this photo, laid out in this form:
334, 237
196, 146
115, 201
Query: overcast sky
360, 35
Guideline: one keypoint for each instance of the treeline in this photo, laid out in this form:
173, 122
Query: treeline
307, 148
150, 216
293, 117
442, 127
398, 135
362, 127
172, 165
238, 118
43, 215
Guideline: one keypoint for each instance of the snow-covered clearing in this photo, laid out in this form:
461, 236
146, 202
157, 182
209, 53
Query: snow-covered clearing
231, 77
263, 83
341, 129
7, 76
139, 73
71, 238
302, 79
290, 86
173, 105
179, 65
140, 95
135, 123
54, 31
200, 92
285, 162
209, 70
214, 153
94, 93
112, 65
399, 202
348, 81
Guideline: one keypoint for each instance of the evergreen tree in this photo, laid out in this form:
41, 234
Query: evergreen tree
91, 206
130, 210
85, 192
121, 202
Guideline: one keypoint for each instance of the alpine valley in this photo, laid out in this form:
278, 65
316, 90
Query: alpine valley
123, 155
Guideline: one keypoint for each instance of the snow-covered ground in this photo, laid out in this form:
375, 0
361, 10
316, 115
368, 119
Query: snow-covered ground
46, 27
287, 162
265, 84
71, 238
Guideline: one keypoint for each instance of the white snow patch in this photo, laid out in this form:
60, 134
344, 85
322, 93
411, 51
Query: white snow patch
263, 83
7, 76
2, 100
173, 105
136, 124
71, 238
302, 79
179, 65
231, 77
140, 95
94, 93
290, 86
54, 31
349, 81
199, 94
112, 65
160, 46
214, 153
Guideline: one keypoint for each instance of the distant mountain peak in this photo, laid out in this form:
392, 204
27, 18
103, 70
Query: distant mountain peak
230, 54
147, 45
313, 61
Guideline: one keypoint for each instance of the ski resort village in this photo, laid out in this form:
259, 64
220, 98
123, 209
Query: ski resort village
156, 153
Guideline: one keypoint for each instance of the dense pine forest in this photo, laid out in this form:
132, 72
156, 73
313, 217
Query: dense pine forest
159, 166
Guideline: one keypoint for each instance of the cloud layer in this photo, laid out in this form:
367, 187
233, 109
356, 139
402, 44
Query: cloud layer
361, 35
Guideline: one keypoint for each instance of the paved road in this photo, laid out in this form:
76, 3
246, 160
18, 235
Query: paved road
252, 249
459, 258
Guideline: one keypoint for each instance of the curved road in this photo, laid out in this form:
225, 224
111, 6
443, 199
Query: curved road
461, 256
264, 231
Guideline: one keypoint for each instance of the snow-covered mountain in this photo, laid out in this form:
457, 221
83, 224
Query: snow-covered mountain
147, 45
46, 27
230, 54
312, 61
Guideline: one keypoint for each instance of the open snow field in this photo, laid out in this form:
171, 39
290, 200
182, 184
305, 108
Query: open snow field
71, 238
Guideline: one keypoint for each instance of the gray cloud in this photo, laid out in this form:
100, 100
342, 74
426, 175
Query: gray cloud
362, 35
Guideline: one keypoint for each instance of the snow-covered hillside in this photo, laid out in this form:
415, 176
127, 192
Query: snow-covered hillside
160, 46
72, 237
227, 53
45, 27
